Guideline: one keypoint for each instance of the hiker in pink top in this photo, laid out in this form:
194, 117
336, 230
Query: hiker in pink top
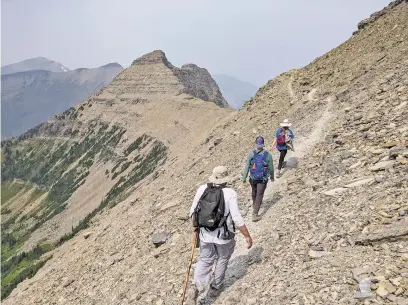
283, 141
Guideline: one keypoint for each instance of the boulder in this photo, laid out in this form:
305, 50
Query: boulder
382, 165
87, 234
161, 237
359, 182
391, 231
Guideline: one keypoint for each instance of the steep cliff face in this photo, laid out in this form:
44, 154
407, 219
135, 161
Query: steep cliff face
198, 82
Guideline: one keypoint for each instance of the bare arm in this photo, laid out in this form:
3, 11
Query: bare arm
245, 232
237, 218
273, 144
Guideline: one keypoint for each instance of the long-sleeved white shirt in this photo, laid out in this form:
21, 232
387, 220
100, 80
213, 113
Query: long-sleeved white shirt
231, 206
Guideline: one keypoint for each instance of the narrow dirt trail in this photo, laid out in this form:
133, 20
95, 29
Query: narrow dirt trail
290, 89
311, 94
242, 257
303, 146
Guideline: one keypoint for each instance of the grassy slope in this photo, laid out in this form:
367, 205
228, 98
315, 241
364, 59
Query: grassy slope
59, 167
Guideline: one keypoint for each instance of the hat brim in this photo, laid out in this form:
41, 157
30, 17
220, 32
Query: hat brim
285, 124
227, 179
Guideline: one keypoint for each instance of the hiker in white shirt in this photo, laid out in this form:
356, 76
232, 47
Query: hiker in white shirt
217, 245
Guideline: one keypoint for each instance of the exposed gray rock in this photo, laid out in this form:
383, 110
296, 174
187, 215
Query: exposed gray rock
359, 182
382, 165
199, 83
159, 238
392, 231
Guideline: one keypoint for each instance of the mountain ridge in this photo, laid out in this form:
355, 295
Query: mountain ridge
36, 63
58, 176
31, 97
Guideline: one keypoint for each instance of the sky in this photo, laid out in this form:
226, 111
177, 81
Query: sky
250, 40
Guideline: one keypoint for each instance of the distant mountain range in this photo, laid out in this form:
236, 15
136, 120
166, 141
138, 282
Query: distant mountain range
34, 90
38, 63
235, 91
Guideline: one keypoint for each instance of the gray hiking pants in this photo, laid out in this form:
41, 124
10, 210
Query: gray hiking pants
209, 252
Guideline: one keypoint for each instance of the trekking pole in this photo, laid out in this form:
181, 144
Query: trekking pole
189, 266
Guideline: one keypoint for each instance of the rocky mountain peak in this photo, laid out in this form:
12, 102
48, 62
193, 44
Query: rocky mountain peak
153, 74
199, 82
153, 58
191, 67
112, 65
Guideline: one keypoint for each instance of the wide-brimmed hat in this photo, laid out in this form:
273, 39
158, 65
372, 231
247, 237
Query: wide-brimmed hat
285, 123
259, 142
220, 175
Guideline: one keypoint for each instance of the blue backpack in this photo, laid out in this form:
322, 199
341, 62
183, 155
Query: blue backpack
259, 167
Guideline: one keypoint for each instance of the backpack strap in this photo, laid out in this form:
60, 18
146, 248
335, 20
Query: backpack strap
265, 155
197, 208
255, 152
232, 221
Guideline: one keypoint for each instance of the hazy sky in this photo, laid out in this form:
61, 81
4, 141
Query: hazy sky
252, 40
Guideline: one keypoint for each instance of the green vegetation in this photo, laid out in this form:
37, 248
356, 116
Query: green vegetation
145, 167
137, 144
156, 156
58, 168
10, 189
122, 169
5, 211
22, 266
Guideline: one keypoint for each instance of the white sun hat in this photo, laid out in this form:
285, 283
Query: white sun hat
285, 123
220, 175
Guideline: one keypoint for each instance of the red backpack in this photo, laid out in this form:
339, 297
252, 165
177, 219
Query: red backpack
281, 140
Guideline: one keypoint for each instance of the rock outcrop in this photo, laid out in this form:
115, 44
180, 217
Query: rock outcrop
364, 23
189, 79
199, 83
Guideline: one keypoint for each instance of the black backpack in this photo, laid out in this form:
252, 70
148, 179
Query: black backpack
209, 213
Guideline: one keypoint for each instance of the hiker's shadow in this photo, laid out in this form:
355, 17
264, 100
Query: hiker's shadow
237, 268
266, 205
290, 163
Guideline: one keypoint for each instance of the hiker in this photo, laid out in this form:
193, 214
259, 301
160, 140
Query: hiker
215, 214
259, 164
283, 141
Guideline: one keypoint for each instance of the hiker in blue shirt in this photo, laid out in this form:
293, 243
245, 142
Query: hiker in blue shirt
259, 165
283, 141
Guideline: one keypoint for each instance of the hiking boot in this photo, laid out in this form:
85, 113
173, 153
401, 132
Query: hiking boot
255, 217
192, 295
278, 174
214, 292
